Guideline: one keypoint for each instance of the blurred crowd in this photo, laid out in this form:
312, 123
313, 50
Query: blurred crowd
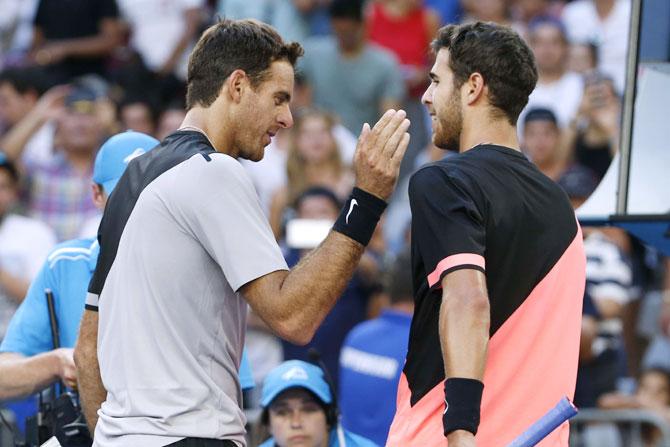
74, 73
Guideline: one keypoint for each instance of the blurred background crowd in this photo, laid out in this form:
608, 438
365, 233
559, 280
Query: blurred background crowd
75, 72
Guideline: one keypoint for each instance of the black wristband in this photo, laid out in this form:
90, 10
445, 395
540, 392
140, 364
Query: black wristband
359, 216
463, 400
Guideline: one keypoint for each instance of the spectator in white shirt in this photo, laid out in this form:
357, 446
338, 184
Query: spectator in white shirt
604, 22
24, 243
557, 88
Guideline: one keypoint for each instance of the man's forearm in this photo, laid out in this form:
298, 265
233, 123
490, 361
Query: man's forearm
91, 390
294, 304
464, 326
22, 376
316, 283
309, 291
15, 140
464, 335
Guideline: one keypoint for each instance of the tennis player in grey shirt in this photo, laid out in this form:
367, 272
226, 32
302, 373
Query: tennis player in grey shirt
185, 247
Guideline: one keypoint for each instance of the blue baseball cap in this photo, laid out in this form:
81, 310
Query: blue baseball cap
295, 374
115, 154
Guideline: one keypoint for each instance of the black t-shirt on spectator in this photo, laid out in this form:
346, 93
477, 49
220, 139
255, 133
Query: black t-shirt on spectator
69, 19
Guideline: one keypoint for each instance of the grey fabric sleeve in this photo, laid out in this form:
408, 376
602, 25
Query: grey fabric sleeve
225, 215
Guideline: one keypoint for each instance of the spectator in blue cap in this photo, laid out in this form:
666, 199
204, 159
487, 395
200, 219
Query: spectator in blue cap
299, 409
28, 362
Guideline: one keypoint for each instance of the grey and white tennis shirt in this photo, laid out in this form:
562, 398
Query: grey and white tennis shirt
181, 233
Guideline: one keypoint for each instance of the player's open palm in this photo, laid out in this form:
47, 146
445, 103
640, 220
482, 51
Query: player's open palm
379, 153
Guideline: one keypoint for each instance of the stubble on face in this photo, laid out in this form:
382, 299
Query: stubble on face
449, 126
262, 109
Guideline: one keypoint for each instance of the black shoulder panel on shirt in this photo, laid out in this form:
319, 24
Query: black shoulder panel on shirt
141, 171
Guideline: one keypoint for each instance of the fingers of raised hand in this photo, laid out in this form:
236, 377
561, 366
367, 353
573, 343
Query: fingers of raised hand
396, 137
376, 132
389, 128
399, 153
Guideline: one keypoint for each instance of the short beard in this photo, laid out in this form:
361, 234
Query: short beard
448, 134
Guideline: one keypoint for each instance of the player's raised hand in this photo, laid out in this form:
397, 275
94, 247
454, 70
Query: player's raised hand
379, 153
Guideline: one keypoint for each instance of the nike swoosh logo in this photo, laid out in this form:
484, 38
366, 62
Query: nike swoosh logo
351, 208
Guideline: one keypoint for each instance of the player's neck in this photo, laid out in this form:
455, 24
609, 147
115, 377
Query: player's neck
200, 120
498, 132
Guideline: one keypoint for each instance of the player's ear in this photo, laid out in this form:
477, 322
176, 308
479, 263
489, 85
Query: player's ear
475, 88
235, 85
99, 196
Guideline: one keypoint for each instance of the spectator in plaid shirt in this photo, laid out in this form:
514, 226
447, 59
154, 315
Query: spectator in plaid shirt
57, 190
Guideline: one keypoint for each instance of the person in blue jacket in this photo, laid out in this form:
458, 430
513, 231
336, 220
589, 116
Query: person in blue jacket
299, 409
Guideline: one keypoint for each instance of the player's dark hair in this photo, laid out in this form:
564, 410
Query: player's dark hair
230, 45
498, 54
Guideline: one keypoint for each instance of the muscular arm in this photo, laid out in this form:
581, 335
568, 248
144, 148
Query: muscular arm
21, 376
91, 389
464, 328
294, 303
464, 323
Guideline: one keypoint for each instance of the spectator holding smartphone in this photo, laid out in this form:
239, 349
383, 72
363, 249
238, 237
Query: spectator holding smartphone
594, 132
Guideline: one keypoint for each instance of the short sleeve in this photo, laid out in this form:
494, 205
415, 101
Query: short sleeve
226, 217
448, 229
29, 331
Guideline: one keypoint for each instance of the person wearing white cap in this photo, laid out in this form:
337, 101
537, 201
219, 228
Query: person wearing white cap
28, 362
299, 409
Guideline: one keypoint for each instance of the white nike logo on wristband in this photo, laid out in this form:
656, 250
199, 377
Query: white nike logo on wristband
351, 208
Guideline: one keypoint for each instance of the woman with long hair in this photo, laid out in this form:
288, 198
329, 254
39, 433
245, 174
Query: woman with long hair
313, 160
